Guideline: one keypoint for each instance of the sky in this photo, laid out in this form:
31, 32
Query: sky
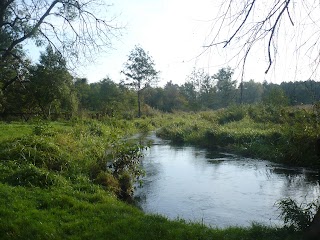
174, 32
171, 31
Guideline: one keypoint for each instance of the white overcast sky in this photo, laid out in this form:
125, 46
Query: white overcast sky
174, 32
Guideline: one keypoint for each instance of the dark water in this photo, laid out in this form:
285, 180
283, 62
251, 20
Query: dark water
218, 189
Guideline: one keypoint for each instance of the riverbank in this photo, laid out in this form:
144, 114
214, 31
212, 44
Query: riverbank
283, 135
53, 186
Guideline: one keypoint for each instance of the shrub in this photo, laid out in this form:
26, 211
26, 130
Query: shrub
38, 151
42, 128
31, 176
296, 216
125, 165
95, 129
108, 181
231, 114
126, 186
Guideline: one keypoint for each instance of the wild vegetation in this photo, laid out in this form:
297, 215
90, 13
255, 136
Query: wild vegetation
281, 134
65, 154
61, 180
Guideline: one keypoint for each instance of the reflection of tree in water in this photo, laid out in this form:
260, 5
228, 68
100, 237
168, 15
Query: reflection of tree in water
298, 175
152, 169
300, 184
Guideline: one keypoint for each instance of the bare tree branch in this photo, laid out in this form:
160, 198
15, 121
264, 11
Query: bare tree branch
72, 27
248, 23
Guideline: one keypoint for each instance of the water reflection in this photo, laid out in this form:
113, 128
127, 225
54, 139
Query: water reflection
218, 189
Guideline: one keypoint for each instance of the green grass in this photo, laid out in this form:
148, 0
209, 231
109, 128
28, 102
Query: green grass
53, 185
34, 213
10, 131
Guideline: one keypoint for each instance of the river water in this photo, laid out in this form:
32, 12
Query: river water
216, 188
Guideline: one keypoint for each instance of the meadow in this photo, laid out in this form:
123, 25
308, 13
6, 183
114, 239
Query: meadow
72, 180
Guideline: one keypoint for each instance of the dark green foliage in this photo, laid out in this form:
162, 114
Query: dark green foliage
125, 166
275, 96
295, 216
51, 86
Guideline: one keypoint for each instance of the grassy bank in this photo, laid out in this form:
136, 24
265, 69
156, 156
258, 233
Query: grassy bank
285, 135
55, 184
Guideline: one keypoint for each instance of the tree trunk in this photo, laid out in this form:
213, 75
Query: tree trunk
313, 232
139, 104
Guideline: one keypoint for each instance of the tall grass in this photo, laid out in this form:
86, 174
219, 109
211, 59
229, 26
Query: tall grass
61, 181
279, 134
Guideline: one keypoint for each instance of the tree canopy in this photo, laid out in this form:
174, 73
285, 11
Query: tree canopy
75, 28
140, 71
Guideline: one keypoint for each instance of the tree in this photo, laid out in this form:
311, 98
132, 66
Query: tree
252, 92
72, 27
173, 100
199, 89
51, 85
154, 97
275, 96
83, 92
140, 71
225, 86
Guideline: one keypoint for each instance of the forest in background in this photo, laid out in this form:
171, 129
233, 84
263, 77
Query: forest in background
49, 91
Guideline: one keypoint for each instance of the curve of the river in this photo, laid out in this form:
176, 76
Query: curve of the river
218, 189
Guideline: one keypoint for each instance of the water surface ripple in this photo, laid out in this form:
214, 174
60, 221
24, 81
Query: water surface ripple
218, 189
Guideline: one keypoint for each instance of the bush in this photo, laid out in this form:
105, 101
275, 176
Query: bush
42, 129
231, 114
297, 217
35, 150
108, 181
31, 176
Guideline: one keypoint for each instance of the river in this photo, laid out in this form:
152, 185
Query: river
216, 188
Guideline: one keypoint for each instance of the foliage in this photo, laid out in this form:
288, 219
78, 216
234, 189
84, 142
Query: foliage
40, 22
78, 150
275, 97
51, 85
140, 71
225, 86
140, 68
231, 114
125, 165
297, 216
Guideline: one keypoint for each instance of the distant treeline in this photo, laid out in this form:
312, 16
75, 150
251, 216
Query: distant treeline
49, 91
188, 97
